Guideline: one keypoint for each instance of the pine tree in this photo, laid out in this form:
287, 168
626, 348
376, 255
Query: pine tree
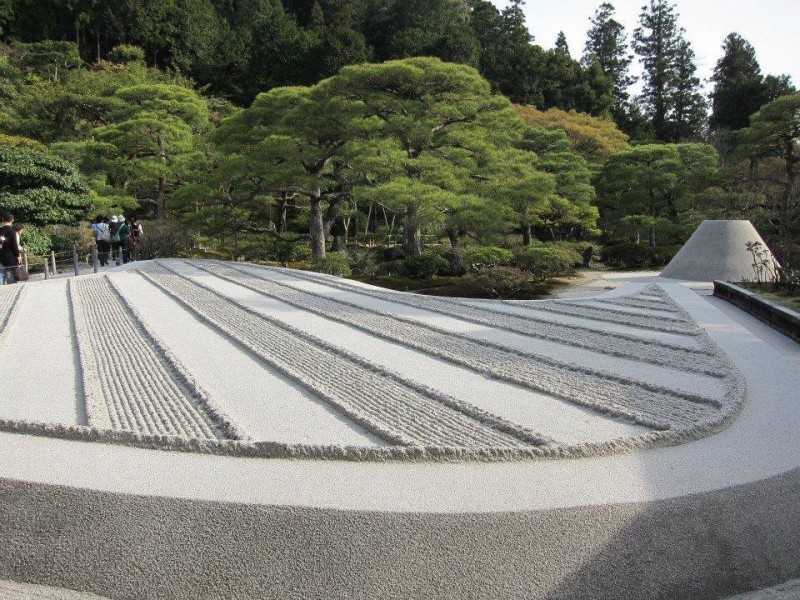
607, 44
739, 88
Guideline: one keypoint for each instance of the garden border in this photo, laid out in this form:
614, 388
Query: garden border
778, 317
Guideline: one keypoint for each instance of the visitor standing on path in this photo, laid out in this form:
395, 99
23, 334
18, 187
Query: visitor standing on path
124, 232
133, 239
10, 250
102, 236
115, 239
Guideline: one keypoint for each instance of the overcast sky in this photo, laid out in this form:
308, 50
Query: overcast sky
771, 26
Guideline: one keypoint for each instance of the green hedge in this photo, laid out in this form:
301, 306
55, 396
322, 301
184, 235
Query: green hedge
424, 265
637, 256
543, 262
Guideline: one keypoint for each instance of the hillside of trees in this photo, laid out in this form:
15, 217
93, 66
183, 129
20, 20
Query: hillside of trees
388, 136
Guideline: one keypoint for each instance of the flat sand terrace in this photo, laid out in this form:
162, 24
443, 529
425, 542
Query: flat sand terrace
759, 443
382, 375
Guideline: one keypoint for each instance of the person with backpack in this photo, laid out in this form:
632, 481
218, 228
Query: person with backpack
102, 236
9, 249
116, 242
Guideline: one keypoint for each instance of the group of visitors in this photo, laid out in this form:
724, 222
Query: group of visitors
10, 248
116, 238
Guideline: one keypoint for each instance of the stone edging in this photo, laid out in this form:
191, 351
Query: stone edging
778, 317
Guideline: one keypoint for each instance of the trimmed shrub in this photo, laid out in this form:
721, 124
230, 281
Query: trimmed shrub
163, 239
334, 263
424, 265
504, 282
475, 258
543, 262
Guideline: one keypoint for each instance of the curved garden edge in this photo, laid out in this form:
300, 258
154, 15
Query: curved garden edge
702, 545
778, 317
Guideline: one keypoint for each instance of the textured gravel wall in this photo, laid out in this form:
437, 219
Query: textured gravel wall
135, 548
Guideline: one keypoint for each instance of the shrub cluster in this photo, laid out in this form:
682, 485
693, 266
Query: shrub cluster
543, 262
334, 263
637, 256
424, 265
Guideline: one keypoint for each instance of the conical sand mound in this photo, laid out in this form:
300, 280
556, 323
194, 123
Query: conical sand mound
717, 250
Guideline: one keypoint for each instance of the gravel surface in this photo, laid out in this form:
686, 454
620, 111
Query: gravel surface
656, 408
400, 411
13, 590
131, 382
330, 343
617, 344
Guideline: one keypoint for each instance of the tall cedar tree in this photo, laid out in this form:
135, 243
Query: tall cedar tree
667, 58
688, 116
607, 44
739, 88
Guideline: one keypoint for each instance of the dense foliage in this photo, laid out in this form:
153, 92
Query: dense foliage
380, 135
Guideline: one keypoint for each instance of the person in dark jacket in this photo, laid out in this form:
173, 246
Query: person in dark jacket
124, 232
9, 249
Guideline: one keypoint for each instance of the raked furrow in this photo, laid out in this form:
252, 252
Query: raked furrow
10, 297
130, 382
675, 325
396, 409
650, 406
640, 302
605, 342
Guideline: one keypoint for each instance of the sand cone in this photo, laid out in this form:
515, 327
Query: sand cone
717, 250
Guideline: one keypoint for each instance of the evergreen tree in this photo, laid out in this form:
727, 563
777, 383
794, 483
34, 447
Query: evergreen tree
739, 88
39, 188
607, 44
561, 44
688, 112
671, 95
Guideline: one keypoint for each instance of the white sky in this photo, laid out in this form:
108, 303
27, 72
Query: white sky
769, 25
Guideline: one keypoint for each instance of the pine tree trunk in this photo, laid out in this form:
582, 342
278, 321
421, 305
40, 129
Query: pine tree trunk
412, 233
283, 209
162, 182
526, 234
452, 235
317, 228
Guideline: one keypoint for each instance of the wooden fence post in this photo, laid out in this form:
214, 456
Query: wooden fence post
53, 260
46, 268
94, 258
75, 259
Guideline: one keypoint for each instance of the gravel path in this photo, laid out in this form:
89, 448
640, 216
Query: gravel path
131, 382
669, 323
656, 408
397, 410
617, 344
